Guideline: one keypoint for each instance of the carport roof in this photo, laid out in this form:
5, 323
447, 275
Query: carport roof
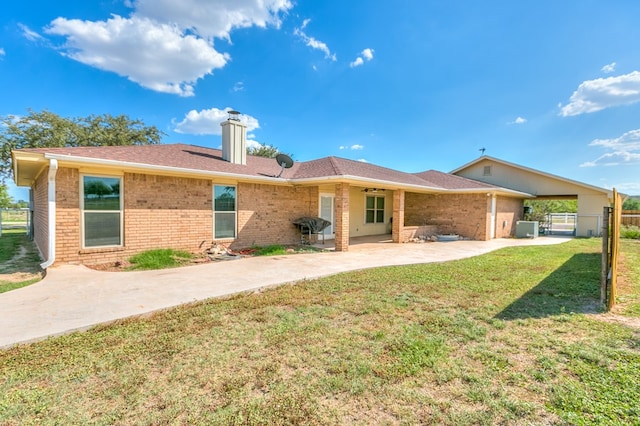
486, 158
196, 160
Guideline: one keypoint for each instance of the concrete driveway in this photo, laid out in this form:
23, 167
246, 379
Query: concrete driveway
74, 297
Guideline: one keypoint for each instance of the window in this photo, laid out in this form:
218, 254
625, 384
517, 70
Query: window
374, 209
224, 211
487, 171
101, 211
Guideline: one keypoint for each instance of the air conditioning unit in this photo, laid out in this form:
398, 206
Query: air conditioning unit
526, 229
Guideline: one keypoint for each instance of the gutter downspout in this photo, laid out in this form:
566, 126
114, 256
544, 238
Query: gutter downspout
51, 199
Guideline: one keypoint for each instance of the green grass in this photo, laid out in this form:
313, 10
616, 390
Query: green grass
160, 259
629, 279
511, 337
630, 232
19, 260
10, 243
279, 250
272, 250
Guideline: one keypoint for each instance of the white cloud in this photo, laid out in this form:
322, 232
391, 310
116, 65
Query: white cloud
156, 56
238, 87
2, 52
165, 45
354, 147
218, 18
628, 187
623, 150
312, 42
601, 93
252, 143
609, 68
362, 160
366, 54
519, 120
357, 62
29, 34
207, 122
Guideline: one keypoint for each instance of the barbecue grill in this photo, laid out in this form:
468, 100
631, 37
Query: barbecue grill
309, 226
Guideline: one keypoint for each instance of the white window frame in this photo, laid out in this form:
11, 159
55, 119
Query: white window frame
375, 209
234, 213
83, 211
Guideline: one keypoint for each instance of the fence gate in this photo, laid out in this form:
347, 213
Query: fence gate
562, 223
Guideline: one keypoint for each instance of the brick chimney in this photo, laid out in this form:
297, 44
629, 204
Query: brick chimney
234, 139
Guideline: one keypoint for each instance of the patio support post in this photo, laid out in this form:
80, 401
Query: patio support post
397, 226
342, 217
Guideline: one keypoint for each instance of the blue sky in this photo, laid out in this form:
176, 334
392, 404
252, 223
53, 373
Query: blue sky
411, 85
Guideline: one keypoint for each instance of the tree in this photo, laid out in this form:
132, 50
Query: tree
631, 203
541, 208
263, 150
5, 198
48, 130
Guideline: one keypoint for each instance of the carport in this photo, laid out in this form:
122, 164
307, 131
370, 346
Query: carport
591, 199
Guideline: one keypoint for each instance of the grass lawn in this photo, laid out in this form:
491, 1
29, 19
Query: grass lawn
511, 337
19, 260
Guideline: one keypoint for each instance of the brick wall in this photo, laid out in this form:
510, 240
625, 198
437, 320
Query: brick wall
397, 226
341, 227
467, 215
423, 231
266, 212
39, 191
159, 212
509, 210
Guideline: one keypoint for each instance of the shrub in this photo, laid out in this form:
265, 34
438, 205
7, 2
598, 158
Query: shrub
630, 231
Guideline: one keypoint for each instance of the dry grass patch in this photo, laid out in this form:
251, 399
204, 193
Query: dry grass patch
497, 339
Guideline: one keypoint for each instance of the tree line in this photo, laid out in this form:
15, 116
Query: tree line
46, 129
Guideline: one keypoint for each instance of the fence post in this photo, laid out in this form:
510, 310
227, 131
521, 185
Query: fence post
604, 273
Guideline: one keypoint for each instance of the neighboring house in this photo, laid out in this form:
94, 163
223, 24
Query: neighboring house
102, 204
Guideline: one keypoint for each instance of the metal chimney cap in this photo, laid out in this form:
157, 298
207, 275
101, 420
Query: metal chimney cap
234, 115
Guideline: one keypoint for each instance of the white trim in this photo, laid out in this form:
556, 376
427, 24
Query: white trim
385, 184
331, 228
51, 200
530, 170
234, 212
375, 209
124, 165
83, 245
494, 217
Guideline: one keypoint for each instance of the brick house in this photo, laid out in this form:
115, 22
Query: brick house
101, 204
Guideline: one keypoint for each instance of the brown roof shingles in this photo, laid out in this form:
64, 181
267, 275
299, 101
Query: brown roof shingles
200, 158
450, 181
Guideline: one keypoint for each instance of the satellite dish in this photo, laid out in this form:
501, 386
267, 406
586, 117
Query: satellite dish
284, 161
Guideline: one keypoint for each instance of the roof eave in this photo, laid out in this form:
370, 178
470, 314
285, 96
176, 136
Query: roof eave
538, 172
379, 183
127, 165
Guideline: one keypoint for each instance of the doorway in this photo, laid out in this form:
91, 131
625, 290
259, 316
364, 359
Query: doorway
327, 212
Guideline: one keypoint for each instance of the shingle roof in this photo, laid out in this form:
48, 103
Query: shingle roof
336, 166
198, 158
449, 181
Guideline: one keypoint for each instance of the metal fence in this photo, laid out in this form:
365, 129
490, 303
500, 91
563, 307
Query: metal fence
15, 219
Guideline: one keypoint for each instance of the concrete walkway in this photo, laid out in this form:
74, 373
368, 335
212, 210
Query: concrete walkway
73, 297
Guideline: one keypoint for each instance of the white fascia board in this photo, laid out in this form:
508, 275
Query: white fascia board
497, 190
382, 184
534, 171
154, 168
